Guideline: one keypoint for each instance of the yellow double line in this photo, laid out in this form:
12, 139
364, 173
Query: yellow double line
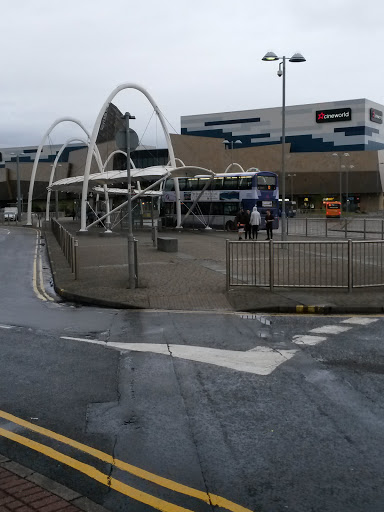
97, 475
37, 278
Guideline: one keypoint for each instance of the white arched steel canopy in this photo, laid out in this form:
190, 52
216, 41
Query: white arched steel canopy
75, 183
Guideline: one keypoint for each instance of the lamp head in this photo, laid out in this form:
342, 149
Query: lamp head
297, 57
270, 56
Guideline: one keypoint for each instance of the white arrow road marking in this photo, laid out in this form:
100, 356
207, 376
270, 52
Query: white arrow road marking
95, 342
6, 326
358, 320
306, 339
330, 329
259, 360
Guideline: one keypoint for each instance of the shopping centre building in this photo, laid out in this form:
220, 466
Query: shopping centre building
329, 146
331, 149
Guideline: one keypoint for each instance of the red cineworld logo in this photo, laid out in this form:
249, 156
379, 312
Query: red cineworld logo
331, 116
376, 116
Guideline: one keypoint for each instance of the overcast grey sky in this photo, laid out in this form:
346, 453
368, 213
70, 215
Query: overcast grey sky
64, 58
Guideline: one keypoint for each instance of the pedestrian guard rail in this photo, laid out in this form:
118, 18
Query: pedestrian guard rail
90, 254
345, 227
305, 264
68, 243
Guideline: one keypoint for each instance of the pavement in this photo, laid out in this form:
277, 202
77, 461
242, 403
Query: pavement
24, 490
191, 279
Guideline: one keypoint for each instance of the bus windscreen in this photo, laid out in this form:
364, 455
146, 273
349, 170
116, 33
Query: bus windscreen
265, 181
333, 206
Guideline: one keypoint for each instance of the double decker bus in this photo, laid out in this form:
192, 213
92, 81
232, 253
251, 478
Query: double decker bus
217, 205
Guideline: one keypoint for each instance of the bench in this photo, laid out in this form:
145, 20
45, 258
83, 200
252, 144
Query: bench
166, 244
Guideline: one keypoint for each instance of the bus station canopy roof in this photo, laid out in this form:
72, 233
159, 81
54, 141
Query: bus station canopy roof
108, 178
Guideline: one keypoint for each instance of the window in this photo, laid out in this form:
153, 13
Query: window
266, 182
217, 208
183, 184
203, 182
193, 184
230, 183
169, 185
217, 184
245, 182
231, 208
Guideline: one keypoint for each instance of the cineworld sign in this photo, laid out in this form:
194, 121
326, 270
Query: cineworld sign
332, 116
376, 116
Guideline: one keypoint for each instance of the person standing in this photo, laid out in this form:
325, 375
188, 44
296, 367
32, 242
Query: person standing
241, 220
269, 218
255, 222
248, 225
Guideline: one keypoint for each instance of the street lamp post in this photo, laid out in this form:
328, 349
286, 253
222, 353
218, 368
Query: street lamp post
291, 176
230, 143
297, 57
131, 242
18, 189
346, 167
340, 171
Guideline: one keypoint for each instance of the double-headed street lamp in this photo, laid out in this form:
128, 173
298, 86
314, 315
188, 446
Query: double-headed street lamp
18, 189
297, 57
291, 176
340, 184
231, 143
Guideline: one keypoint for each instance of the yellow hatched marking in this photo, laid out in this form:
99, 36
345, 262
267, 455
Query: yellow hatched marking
95, 474
141, 473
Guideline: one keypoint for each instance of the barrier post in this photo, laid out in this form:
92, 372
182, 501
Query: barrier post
76, 257
227, 263
365, 229
271, 266
350, 266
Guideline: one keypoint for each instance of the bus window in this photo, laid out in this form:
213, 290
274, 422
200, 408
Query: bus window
266, 182
169, 185
231, 208
183, 184
193, 183
230, 183
218, 184
217, 209
202, 183
245, 182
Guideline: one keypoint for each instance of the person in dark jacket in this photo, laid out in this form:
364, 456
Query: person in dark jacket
269, 218
248, 227
241, 221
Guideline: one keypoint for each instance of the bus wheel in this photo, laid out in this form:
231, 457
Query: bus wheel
230, 226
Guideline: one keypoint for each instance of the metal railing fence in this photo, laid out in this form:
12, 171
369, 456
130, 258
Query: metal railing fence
91, 255
68, 243
364, 228
305, 264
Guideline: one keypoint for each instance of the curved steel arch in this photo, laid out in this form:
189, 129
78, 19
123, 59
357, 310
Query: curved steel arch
95, 132
232, 165
37, 157
66, 143
118, 151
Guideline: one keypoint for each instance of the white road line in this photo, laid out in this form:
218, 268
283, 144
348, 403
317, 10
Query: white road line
330, 329
7, 326
260, 360
96, 342
306, 339
358, 320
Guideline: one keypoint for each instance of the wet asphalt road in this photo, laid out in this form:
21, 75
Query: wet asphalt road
308, 436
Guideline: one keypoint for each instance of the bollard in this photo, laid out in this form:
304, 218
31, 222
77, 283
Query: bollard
365, 229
